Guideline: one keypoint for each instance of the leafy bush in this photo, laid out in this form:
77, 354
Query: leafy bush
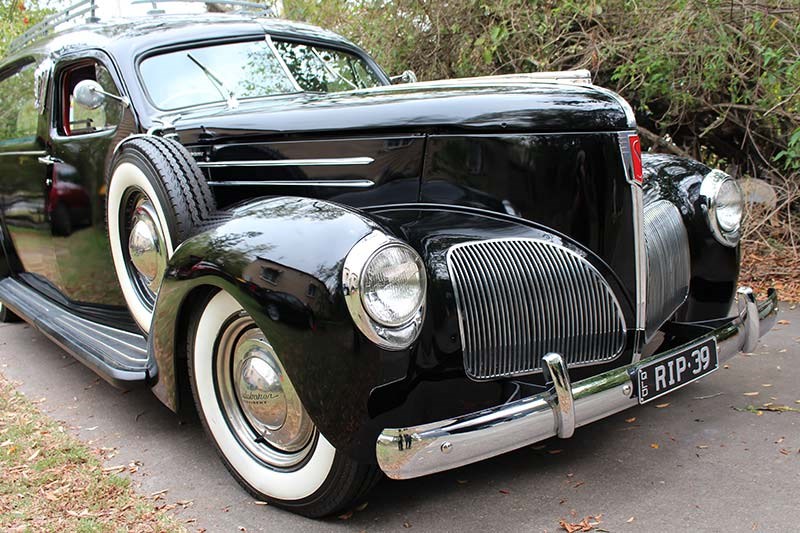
16, 16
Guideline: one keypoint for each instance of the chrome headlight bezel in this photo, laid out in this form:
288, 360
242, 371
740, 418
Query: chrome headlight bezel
387, 336
709, 191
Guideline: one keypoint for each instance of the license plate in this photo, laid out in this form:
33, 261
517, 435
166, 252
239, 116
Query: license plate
665, 375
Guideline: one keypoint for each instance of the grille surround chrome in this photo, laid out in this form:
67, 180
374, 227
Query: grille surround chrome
668, 263
529, 297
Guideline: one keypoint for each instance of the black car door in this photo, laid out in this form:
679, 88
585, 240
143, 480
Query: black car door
81, 144
24, 173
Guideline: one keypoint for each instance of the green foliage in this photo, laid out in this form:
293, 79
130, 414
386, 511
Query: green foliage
720, 78
16, 16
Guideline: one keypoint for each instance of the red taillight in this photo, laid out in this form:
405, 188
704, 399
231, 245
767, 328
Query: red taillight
636, 157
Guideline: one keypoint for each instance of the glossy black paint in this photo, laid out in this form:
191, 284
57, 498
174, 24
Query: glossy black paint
715, 267
572, 183
351, 388
450, 163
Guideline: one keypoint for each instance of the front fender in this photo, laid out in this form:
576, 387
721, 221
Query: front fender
714, 266
281, 259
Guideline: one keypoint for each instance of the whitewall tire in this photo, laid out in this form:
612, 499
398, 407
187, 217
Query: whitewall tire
296, 468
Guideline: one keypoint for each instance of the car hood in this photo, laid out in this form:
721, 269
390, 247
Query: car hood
471, 107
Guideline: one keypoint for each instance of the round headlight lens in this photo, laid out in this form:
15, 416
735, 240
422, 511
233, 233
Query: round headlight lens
729, 203
393, 285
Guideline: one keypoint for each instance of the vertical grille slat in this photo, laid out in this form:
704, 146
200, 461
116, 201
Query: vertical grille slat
668, 262
519, 299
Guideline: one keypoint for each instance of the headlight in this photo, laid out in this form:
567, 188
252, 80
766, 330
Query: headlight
393, 285
723, 203
384, 284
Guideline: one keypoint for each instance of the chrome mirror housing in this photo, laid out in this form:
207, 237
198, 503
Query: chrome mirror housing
89, 94
407, 76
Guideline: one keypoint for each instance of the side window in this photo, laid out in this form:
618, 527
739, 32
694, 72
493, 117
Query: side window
74, 118
18, 116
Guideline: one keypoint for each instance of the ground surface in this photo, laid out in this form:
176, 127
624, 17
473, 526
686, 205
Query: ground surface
697, 464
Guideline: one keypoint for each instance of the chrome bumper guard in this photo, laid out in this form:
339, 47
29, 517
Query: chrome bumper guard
417, 451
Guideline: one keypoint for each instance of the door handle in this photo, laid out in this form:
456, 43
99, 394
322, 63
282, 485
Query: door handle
49, 160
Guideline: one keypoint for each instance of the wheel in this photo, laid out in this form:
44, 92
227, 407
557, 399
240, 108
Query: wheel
157, 198
6, 315
256, 421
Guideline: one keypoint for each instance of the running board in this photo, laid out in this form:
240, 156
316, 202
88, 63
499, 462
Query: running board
118, 356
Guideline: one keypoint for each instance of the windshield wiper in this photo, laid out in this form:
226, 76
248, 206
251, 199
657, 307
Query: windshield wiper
227, 94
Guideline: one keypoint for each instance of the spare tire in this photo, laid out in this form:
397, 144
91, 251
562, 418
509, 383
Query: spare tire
157, 198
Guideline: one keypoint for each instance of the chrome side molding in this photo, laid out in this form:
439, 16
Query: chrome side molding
321, 162
356, 184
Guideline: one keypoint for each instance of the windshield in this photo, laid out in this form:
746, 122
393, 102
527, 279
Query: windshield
237, 71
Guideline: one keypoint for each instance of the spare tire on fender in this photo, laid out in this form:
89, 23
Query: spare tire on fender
157, 198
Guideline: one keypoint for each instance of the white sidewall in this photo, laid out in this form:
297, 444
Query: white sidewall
125, 177
293, 485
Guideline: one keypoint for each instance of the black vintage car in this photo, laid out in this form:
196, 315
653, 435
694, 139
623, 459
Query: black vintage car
347, 277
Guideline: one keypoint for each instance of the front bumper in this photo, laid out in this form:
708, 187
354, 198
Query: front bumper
418, 451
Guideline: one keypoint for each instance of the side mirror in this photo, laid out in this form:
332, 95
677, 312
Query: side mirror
89, 94
406, 77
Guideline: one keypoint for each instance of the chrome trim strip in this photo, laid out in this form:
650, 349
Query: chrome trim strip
26, 152
640, 257
297, 183
322, 162
417, 451
283, 64
564, 406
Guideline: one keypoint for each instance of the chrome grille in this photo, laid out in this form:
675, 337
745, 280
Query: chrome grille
668, 266
520, 299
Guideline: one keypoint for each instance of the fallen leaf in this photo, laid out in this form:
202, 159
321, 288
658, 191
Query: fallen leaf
702, 446
554, 452
783, 322
579, 483
784, 451
503, 491
751, 393
406, 525
662, 405
655, 446
630, 420
346, 516
34, 455
630, 520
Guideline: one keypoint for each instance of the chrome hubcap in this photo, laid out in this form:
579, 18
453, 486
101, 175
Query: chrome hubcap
257, 397
259, 389
146, 247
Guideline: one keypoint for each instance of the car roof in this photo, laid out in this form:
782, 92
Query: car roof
130, 36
